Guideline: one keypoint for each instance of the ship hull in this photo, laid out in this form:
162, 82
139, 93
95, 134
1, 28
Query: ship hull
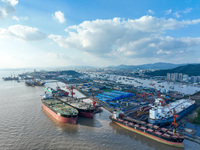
150, 136
171, 119
59, 118
86, 114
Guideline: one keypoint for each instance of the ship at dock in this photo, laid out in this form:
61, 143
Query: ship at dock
10, 78
34, 83
60, 111
154, 132
84, 109
56, 93
161, 114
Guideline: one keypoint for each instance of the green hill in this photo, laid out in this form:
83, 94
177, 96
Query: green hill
191, 70
159, 65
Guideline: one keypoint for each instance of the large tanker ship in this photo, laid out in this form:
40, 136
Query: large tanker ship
84, 109
161, 114
151, 131
60, 111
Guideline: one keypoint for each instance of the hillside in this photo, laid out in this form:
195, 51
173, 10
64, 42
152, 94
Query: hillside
154, 66
191, 70
64, 72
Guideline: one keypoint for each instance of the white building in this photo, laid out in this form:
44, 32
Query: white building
185, 78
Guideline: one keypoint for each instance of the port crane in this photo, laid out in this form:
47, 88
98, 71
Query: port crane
144, 95
174, 124
72, 93
58, 87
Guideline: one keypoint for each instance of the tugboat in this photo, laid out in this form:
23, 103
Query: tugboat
163, 135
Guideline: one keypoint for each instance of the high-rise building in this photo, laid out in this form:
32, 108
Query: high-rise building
193, 79
168, 76
172, 77
180, 76
185, 78
175, 76
198, 78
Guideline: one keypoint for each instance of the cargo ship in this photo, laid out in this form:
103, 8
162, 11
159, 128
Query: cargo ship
60, 111
161, 114
10, 78
34, 83
151, 131
84, 109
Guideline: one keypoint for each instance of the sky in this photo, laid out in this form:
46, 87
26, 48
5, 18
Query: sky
100, 33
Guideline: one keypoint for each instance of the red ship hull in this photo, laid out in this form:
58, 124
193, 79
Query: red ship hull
151, 136
72, 120
86, 114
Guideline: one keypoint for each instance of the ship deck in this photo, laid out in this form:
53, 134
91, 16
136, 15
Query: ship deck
76, 103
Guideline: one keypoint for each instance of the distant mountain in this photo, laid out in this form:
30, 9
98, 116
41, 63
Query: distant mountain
191, 70
65, 72
80, 67
155, 66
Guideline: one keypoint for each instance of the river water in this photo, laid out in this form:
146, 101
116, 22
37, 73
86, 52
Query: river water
182, 88
26, 126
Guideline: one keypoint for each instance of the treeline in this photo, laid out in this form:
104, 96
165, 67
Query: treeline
191, 70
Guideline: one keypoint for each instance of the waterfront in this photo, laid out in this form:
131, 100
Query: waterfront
24, 125
186, 89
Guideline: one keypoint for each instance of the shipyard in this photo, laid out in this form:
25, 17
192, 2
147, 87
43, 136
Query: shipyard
102, 75
131, 105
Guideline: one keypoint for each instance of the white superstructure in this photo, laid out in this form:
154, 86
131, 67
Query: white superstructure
160, 110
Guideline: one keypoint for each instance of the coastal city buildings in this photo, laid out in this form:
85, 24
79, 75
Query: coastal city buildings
182, 78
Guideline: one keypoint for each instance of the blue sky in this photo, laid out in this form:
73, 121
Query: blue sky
35, 33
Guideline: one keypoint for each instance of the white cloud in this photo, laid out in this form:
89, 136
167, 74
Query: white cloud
58, 15
177, 15
15, 18
19, 18
58, 56
8, 8
22, 32
11, 2
188, 10
3, 13
163, 52
151, 12
117, 38
168, 12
